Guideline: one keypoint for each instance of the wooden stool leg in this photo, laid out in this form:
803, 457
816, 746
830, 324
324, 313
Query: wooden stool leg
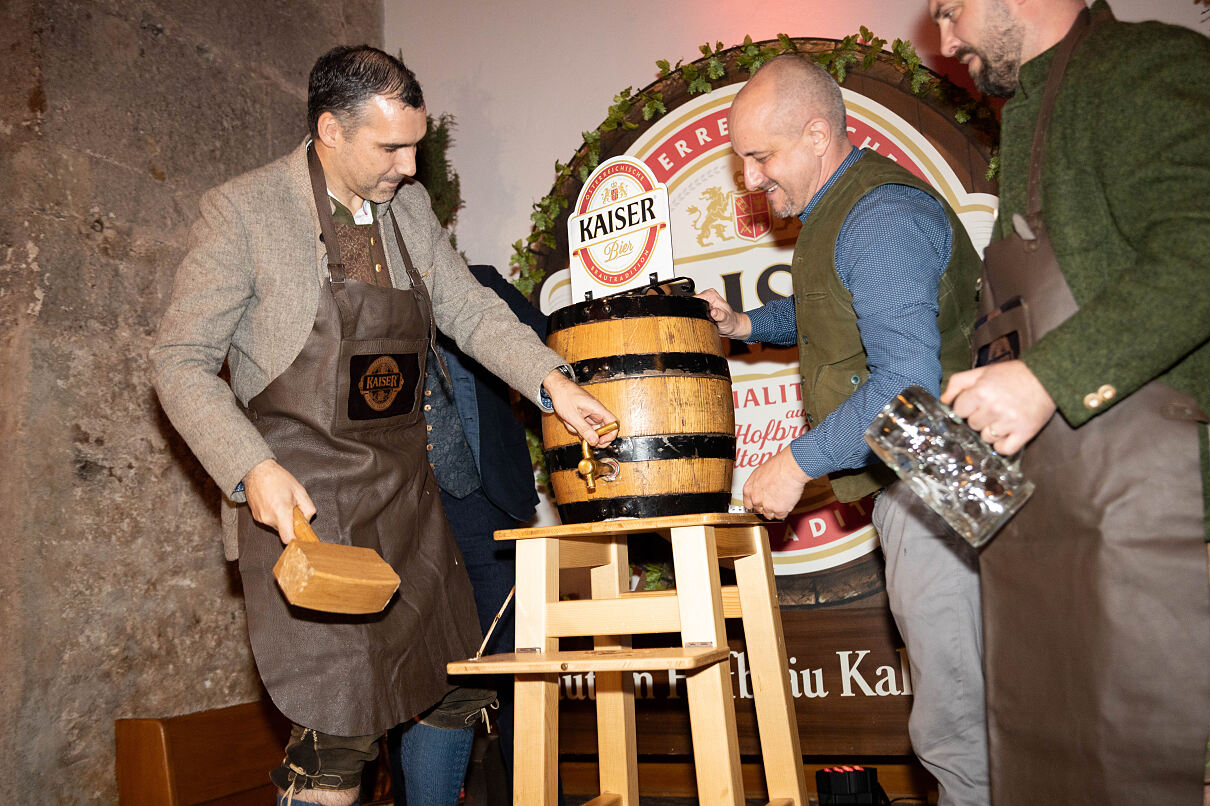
766, 646
536, 703
536, 746
617, 744
711, 707
617, 749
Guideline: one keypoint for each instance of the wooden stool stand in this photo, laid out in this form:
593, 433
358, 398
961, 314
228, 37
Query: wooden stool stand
696, 610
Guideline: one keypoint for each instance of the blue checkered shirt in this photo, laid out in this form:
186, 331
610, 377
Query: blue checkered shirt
892, 250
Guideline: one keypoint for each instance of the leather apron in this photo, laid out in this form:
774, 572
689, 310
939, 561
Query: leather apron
345, 418
1095, 596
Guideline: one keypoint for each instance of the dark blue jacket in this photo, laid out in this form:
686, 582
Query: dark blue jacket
496, 438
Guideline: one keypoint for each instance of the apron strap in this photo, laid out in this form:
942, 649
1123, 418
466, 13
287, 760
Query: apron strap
323, 207
1083, 25
336, 267
426, 303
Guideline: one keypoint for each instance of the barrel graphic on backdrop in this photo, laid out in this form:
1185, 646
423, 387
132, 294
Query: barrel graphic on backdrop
724, 236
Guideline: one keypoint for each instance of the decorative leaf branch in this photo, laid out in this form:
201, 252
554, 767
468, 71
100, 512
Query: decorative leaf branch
856, 50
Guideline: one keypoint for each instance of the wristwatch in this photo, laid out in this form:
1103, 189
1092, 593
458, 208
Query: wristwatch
547, 403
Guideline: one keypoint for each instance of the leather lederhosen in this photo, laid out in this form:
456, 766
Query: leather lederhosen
345, 419
1095, 596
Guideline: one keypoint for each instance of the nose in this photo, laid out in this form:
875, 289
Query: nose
949, 43
405, 161
753, 178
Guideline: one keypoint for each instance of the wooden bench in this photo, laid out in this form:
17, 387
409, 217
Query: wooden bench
220, 757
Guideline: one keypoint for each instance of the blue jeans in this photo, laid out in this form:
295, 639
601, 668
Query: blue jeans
433, 762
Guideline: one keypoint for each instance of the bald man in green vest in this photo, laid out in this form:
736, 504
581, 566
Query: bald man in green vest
884, 294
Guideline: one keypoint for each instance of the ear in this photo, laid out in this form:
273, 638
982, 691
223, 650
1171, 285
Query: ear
329, 129
820, 133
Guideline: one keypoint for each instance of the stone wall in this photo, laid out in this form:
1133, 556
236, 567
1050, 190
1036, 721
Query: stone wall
115, 599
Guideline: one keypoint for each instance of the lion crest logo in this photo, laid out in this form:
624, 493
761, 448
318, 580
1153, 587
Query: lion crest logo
746, 214
716, 217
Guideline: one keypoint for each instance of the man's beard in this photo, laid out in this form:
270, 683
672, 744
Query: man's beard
384, 190
786, 209
1000, 56
996, 78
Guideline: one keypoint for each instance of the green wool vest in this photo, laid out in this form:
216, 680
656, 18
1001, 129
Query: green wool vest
830, 353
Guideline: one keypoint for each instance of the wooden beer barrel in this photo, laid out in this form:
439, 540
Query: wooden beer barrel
657, 363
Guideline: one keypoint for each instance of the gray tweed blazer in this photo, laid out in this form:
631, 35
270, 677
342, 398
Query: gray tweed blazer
248, 290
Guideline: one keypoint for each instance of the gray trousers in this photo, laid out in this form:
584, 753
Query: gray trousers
932, 581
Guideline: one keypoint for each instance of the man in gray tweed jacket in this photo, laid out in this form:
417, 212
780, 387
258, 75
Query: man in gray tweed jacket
299, 291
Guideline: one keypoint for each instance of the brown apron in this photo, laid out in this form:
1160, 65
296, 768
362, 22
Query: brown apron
1096, 600
345, 419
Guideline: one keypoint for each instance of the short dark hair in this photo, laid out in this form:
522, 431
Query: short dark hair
345, 77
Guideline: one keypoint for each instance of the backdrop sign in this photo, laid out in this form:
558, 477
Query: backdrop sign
618, 232
726, 237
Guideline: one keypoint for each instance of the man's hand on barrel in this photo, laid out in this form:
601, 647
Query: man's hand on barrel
731, 323
581, 413
775, 487
1004, 402
272, 493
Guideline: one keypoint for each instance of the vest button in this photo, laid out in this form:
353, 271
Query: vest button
855, 380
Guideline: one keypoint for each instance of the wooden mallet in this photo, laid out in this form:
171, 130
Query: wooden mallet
330, 577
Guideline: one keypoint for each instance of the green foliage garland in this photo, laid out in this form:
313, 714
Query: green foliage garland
860, 49
433, 170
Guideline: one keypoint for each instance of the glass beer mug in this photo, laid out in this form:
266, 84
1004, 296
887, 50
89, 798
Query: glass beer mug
947, 463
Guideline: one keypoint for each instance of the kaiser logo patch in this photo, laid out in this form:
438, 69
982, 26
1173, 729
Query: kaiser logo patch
381, 383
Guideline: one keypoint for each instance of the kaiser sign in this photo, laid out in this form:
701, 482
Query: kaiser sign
619, 230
